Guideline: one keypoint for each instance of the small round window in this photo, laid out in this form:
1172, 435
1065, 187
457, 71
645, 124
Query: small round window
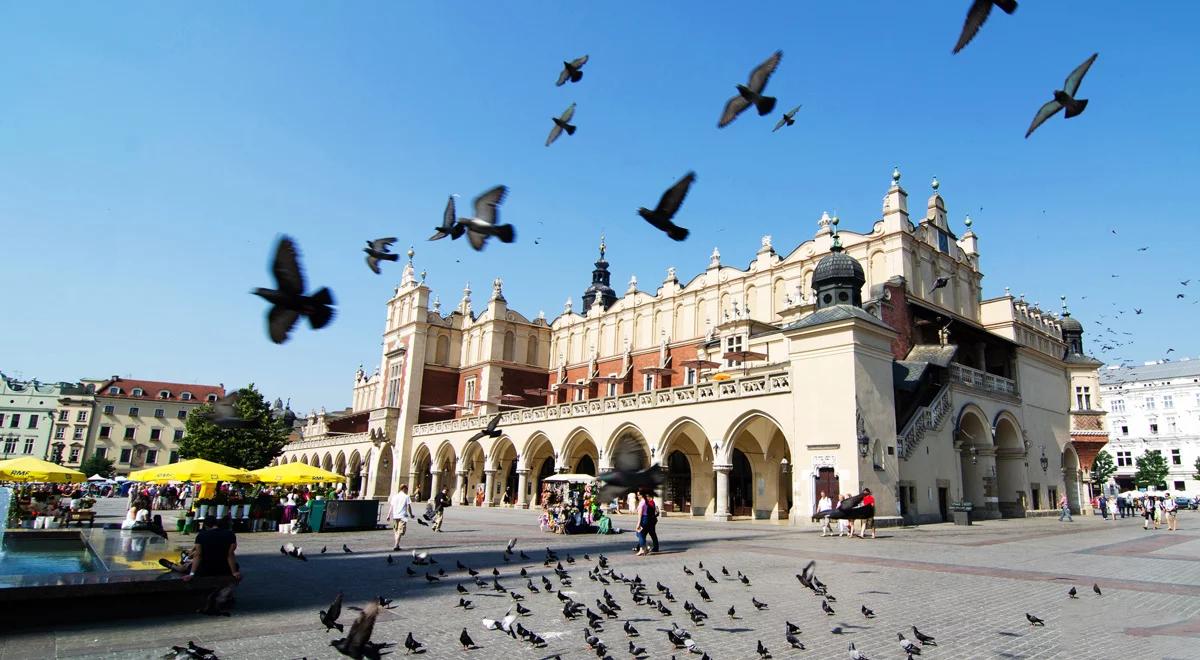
827, 298
843, 296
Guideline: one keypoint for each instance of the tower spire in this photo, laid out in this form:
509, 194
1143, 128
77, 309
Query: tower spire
600, 290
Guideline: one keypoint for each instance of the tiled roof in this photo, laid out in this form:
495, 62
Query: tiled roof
835, 313
1161, 371
151, 388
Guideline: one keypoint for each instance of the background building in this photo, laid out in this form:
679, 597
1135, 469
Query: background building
1154, 406
27, 412
853, 360
139, 423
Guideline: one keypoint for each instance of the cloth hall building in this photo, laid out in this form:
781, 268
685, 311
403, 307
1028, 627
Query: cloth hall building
853, 360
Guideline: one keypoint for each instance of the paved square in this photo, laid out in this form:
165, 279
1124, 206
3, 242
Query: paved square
970, 587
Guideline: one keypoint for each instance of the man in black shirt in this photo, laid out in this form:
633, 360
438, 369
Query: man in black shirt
439, 507
214, 553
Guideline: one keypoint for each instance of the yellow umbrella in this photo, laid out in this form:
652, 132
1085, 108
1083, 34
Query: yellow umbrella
194, 469
30, 469
721, 376
295, 473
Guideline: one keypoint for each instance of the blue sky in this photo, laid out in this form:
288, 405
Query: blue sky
151, 152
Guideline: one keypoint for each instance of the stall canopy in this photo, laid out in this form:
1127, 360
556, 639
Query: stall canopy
28, 469
570, 478
194, 469
291, 474
97, 477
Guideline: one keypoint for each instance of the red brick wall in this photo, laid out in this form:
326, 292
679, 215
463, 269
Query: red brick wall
438, 388
516, 381
897, 314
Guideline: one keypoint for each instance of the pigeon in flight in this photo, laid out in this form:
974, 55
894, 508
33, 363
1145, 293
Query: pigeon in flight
378, 250
329, 617
668, 206
288, 302
1065, 97
751, 93
562, 123
483, 225
571, 71
976, 15
489, 431
450, 226
357, 643
786, 119
1033, 620
939, 283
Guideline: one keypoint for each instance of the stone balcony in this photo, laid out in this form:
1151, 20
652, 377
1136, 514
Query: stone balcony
747, 386
333, 440
982, 381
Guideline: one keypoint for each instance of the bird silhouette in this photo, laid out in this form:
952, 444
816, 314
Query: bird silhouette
357, 643
939, 283
411, 645
465, 640
630, 630
572, 71
377, 250
329, 617
752, 92
288, 302
758, 605
562, 123
793, 640
976, 15
1071, 593
1033, 620
786, 119
826, 608
762, 650
1065, 97
346, 549
855, 654
687, 571
1096, 588
464, 603
450, 225
867, 612
490, 431
908, 646
926, 640
668, 205
483, 225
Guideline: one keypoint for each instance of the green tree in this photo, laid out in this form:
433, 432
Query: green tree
1102, 469
1151, 470
247, 448
96, 464
1197, 475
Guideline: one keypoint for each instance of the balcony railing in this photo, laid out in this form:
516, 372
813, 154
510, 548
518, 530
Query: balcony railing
927, 418
328, 441
735, 388
980, 380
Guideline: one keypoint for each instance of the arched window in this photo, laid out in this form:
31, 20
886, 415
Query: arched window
531, 350
510, 347
441, 354
114, 390
164, 394
186, 396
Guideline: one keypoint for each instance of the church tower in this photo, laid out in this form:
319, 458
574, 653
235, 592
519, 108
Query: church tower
600, 287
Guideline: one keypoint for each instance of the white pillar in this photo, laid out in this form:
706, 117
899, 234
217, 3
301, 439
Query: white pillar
461, 487
435, 486
522, 486
722, 511
489, 480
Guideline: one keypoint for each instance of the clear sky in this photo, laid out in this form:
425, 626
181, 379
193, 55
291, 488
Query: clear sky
151, 152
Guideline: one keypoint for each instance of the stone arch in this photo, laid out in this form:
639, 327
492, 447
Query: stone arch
754, 475
421, 487
339, 463
579, 444
698, 329
303, 458
778, 296
509, 353
1072, 479
977, 461
628, 439
327, 462
441, 353
314, 460
1011, 476
354, 466
531, 350
686, 455
503, 459
472, 463
445, 468
537, 456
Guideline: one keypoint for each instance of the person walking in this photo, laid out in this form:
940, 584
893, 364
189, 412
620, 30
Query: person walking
825, 504
1112, 506
400, 512
843, 524
1103, 502
439, 508
1170, 510
1064, 509
868, 500
1147, 505
652, 520
645, 512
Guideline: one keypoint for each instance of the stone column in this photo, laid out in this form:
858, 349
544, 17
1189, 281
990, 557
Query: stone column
522, 486
722, 512
461, 488
489, 480
435, 486
413, 480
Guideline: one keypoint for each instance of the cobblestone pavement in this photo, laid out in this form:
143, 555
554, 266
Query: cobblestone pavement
968, 586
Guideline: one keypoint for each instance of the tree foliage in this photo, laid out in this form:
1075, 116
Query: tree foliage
96, 464
1103, 468
1152, 470
1197, 475
247, 448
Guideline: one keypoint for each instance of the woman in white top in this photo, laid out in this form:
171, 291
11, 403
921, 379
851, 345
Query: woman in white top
825, 504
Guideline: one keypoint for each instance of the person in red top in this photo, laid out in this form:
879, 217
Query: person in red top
868, 500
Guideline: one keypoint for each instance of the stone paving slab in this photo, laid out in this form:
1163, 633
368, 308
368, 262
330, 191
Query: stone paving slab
968, 586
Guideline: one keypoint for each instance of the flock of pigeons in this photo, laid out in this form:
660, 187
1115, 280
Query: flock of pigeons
289, 302
661, 603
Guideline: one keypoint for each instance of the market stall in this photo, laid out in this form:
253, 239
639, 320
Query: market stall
568, 505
